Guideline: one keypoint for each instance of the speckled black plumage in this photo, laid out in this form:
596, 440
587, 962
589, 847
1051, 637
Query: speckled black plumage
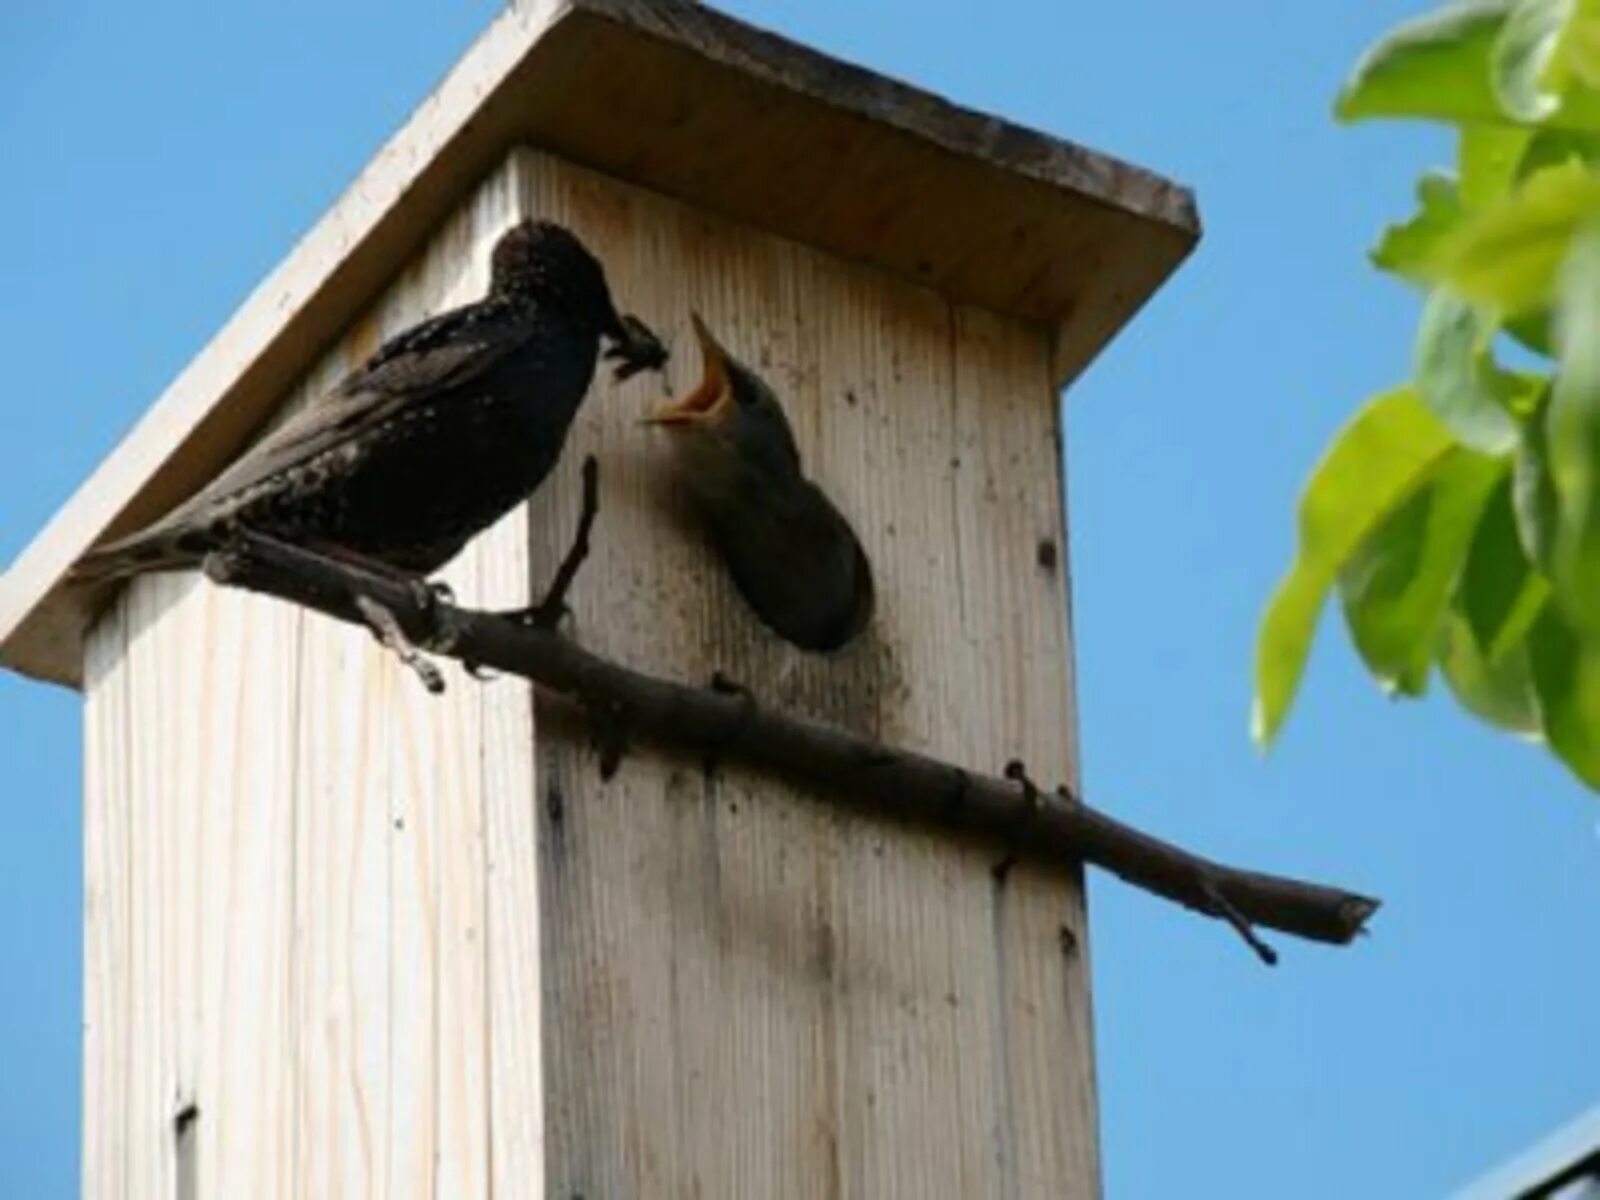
444, 429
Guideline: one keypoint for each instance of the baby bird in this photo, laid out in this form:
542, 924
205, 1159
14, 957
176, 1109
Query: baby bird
445, 428
792, 555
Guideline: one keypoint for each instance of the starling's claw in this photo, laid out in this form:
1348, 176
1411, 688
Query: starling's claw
387, 630
426, 597
546, 615
549, 613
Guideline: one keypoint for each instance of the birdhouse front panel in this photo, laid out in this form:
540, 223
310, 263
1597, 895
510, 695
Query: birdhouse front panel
347, 938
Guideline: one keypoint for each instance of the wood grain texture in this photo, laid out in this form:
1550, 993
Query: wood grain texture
397, 945
285, 871
106, 940
676, 97
746, 993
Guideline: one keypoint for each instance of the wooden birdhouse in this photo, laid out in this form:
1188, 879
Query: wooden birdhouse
346, 938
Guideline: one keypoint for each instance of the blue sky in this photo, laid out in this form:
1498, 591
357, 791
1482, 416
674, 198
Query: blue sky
161, 158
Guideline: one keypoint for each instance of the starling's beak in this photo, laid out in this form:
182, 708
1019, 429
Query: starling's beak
637, 349
710, 400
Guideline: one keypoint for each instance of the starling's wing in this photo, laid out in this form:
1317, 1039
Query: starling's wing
439, 355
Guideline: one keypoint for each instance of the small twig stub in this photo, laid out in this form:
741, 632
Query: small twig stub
547, 614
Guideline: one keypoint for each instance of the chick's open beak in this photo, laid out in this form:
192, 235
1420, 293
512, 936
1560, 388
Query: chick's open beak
710, 399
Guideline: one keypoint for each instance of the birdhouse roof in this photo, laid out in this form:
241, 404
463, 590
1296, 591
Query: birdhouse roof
673, 96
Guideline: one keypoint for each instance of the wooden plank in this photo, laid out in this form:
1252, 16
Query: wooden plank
246, 1085
155, 768
189, 853
915, 1029
677, 98
511, 902
106, 915
341, 914
341, 888
1006, 498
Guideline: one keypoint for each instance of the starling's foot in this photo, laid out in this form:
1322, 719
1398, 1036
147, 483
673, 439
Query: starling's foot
435, 595
547, 614
388, 631
425, 597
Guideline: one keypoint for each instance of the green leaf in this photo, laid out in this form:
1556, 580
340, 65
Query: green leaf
1436, 66
1507, 257
1499, 691
1572, 429
1566, 679
1490, 159
1499, 593
1443, 66
1532, 331
1546, 61
1396, 585
1408, 248
1375, 463
1455, 373
1557, 147
1581, 47
1520, 65
1533, 493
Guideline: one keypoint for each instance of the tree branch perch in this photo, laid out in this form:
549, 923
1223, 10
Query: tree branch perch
1019, 819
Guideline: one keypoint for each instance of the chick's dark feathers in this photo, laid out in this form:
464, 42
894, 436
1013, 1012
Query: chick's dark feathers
796, 561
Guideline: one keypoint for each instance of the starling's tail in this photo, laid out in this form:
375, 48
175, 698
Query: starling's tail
148, 550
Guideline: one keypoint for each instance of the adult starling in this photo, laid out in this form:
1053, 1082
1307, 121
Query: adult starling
793, 557
445, 428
